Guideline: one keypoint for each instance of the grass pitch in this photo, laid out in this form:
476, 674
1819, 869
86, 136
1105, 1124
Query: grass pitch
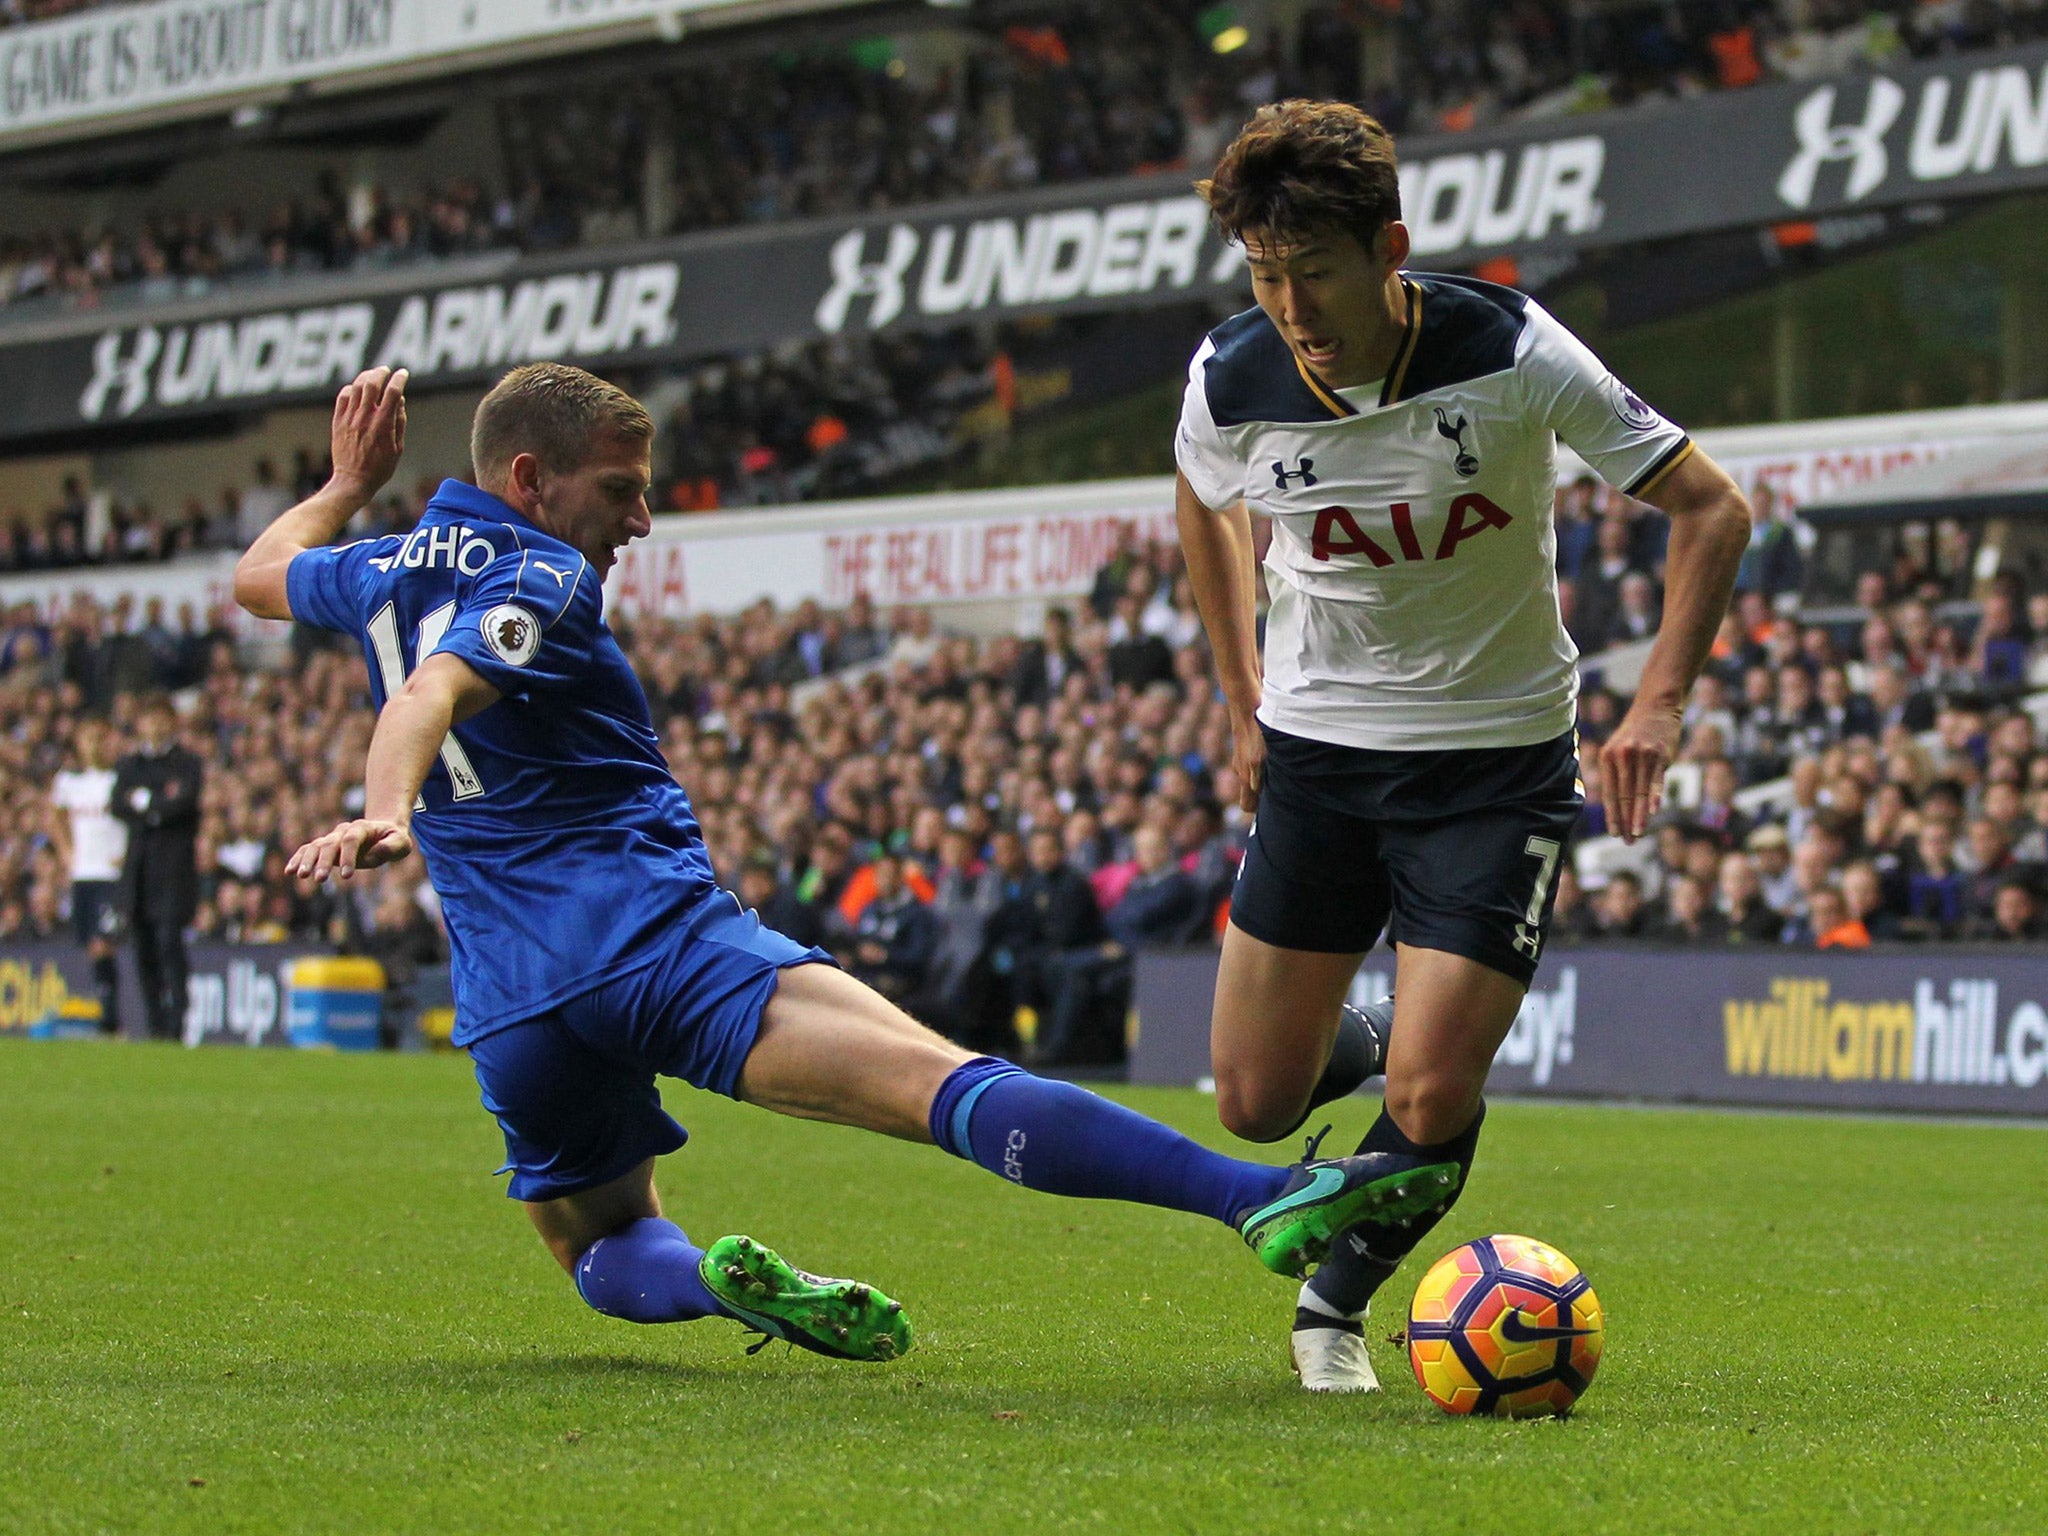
267, 1292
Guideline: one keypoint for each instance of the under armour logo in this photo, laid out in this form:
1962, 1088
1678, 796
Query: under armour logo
1283, 476
130, 373
854, 277
1822, 139
560, 576
1466, 462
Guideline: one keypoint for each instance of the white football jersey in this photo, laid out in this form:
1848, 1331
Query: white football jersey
1413, 566
99, 840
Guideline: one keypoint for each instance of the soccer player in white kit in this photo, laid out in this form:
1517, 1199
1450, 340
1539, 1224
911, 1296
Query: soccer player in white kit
1408, 746
95, 842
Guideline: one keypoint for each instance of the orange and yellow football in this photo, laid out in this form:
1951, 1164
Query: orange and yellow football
1505, 1326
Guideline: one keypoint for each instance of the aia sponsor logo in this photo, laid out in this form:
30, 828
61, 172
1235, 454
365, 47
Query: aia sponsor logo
1337, 531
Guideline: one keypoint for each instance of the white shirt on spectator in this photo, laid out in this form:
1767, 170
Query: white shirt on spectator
261, 505
99, 840
242, 857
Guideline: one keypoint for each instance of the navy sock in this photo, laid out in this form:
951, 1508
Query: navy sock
1067, 1141
1358, 1052
1362, 1258
646, 1272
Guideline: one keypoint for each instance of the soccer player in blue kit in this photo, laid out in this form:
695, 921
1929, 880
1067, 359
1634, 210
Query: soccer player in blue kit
593, 949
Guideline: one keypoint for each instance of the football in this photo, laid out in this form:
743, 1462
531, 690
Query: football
1505, 1326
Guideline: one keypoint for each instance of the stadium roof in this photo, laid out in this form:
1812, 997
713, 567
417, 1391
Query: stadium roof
2006, 479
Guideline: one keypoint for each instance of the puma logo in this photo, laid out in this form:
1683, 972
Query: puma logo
562, 576
1466, 462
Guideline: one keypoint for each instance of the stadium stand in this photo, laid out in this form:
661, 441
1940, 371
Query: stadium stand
1046, 805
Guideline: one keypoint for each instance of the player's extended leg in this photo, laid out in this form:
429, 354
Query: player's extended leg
1282, 1041
572, 1113
630, 1262
1450, 1016
831, 1049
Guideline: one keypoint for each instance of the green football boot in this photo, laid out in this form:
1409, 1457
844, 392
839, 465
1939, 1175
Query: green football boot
841, 1318
1292, 1232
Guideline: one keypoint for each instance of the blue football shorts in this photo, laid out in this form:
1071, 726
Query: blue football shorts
573, 1088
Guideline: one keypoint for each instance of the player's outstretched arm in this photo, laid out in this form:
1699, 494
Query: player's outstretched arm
1709, 531
1224, 578
367, 440
442, 690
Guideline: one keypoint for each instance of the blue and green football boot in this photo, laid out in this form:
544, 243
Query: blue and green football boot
841, 1318
1292, 1232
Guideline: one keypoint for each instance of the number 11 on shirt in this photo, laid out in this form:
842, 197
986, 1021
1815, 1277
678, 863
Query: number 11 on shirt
383, 630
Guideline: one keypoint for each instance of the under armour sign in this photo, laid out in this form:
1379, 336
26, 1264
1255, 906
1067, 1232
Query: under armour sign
1961, 124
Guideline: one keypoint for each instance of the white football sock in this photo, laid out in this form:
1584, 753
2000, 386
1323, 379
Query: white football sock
1309, 1301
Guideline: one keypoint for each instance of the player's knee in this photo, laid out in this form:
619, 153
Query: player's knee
1256, 1111
1431, 1108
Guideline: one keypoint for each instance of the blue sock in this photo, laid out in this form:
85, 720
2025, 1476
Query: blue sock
1067, 1141
646, 1272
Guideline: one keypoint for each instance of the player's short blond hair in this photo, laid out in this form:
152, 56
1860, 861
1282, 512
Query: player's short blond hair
555, 412
1302, 166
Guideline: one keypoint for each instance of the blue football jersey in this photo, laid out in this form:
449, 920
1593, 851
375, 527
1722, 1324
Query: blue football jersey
559, 842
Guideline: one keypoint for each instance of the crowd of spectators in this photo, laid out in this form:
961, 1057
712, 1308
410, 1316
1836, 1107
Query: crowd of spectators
977, 826
986, 828
1071, 92
1875, 777
851, 415
169, 255
83, 528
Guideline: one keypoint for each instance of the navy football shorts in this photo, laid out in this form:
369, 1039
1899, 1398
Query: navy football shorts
573, 1089
1459, 848
95, 910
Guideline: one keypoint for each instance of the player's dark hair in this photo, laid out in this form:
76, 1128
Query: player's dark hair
1300, 166
555, 412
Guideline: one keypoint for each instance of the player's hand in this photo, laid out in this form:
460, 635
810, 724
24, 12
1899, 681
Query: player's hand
1633, 762
349, 847
368, 437
1247, 756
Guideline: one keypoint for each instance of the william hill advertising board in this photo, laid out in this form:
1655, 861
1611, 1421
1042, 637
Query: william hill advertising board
1941, 1030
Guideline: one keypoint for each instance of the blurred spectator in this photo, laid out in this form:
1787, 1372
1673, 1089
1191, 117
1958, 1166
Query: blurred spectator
94, 845
1622, 915
1830, 925
1935, 892
262, 501
1771, 565
1161, 903
1749, 918
1771, 849
1044, 664
1062, 965
1689, 917
2015, 915
156, 792
895, 937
